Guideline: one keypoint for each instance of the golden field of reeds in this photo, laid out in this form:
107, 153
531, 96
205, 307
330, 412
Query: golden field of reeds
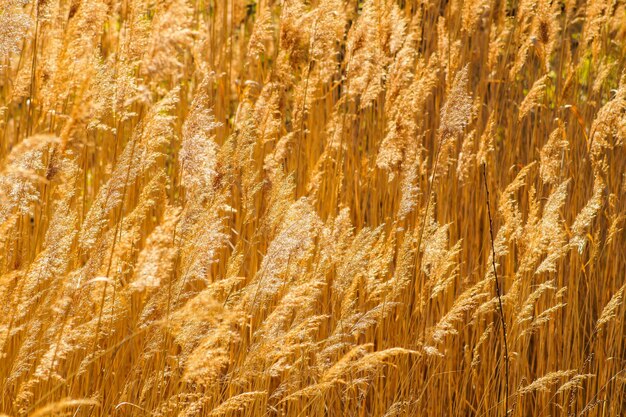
312, 208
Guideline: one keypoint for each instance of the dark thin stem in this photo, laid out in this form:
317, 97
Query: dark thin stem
495, 272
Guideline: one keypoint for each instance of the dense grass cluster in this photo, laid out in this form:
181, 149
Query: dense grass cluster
312, 208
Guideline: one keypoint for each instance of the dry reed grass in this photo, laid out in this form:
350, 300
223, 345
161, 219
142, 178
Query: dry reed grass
278, 208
